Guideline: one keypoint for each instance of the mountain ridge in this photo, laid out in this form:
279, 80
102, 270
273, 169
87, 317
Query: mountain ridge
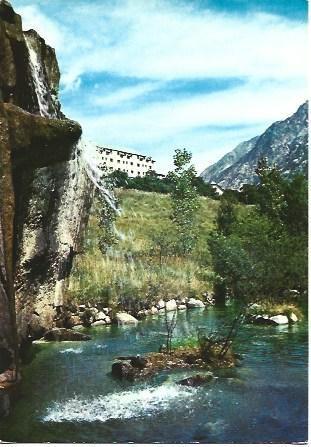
284, 143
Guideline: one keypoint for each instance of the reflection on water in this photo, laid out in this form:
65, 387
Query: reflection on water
68, 394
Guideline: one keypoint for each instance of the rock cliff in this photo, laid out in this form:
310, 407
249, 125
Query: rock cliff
44, 192
284, 143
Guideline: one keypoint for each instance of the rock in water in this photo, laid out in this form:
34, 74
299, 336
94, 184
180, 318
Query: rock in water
279, 319
125, 318
171, 305
123, 370
197, 380
293, 318
192, 303
62, 334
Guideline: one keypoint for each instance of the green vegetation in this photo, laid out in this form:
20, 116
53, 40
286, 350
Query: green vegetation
262, 254
184, 200
153, 183
138, 269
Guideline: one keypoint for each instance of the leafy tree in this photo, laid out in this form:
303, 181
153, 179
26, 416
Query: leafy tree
226, 216
184, 198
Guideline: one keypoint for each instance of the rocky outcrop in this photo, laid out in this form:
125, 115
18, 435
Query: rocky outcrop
284, 143
44, 192
62, 334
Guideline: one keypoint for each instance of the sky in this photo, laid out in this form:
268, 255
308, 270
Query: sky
156, 75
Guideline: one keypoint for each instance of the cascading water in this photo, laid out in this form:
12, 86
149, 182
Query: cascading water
41, 88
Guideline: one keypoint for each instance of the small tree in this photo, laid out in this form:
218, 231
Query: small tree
170, 324
184, 198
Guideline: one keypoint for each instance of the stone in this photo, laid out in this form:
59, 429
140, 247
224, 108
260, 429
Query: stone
107, 320
123, 370
196, 380
139, 362
75, 320
293, 318
125, 318
170, 305
99, 323
100, 316
182, 307
261, 319
160, 304
193, 303
279, 319
63, 334
154, 310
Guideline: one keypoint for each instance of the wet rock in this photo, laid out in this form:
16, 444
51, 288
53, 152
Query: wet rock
154, 310
139, 362
98, 323
100, 316
123, 370
63, 334
193, 303
279, 319
197, 380
182, 307
125, 318
293, 318
160, 304
261, 319
75, 320
171, 305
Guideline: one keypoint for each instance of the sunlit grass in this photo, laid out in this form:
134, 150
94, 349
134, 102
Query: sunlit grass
128, 268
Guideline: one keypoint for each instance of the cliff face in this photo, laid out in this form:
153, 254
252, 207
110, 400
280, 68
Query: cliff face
284, 143
44, 192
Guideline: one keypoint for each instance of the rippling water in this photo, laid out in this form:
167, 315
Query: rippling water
68, 394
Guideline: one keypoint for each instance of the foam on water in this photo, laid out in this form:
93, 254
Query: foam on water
124, 405
72, 350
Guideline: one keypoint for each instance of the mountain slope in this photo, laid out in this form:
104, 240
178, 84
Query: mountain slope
284, 143
214, 172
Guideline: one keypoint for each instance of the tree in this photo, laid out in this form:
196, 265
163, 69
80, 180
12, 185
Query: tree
184, 199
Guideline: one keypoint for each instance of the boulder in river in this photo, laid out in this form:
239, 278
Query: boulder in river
123, 370
125, 318
193, 303
293, 318
279, 319
171, 305
63, 334
197, 380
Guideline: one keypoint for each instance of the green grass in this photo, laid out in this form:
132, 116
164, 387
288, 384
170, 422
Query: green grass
112, 278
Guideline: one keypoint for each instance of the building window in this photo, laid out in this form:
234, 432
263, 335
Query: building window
138, 164
132, 172
119, 161
111, 159
131, 164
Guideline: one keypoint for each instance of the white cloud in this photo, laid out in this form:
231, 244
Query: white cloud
159, 126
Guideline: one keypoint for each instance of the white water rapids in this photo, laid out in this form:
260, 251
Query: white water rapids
123, 405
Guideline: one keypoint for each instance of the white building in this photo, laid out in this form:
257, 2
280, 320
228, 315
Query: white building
217, 188
119, 160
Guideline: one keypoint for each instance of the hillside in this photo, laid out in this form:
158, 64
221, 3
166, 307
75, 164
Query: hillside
214, 172
284, 143
132, 267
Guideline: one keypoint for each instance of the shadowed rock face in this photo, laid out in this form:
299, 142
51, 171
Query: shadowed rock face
44, 193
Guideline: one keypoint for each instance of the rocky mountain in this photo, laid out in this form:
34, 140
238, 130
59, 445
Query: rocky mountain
284, 143
44, 193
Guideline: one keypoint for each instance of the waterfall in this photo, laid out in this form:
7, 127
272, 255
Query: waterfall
41, 88
95, 169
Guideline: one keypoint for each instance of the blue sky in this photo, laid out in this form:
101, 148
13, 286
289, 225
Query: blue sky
155, 75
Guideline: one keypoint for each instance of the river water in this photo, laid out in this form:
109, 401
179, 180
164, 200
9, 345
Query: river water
68, 394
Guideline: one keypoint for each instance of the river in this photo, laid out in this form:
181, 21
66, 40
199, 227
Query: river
68, 394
